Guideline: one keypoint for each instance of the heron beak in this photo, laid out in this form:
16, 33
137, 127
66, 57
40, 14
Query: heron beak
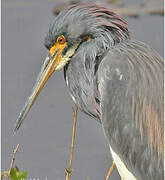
49, 66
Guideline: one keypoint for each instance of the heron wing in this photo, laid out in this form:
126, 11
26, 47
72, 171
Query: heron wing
130, 83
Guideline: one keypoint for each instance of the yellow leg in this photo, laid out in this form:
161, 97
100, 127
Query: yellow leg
110, 170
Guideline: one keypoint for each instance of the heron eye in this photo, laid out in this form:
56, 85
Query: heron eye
61, 39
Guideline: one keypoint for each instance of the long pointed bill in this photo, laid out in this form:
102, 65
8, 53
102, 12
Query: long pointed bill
47, 69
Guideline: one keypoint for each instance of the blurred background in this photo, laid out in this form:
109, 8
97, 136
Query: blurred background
45, 136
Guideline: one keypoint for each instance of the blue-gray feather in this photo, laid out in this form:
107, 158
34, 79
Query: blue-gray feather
131, 73
117, 80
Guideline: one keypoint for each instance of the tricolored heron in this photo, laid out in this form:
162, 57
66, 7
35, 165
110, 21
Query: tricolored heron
113, 78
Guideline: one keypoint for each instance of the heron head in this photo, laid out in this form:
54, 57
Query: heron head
80, 23
71, 29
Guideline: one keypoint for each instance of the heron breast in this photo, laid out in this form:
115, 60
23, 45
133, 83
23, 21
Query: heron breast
67, 84
86, 101
122, 169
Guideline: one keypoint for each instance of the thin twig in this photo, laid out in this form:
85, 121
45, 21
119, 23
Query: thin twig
149, 7
110, 170
68, 171
4, 174
12, 161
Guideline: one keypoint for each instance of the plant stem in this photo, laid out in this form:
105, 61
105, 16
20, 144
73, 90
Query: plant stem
68, 172
12, 161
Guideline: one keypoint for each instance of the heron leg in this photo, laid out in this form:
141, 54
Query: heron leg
110, 170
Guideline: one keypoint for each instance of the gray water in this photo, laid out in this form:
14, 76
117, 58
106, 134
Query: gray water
45, 137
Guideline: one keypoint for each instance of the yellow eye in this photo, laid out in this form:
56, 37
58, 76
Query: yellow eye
61, 39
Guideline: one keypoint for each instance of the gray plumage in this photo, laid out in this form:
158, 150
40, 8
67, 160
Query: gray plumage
126, 71
122, 81
127, 76
117, 80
